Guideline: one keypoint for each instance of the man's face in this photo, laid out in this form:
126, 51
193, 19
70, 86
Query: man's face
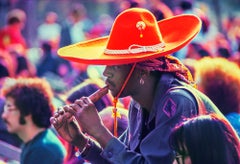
11, 116
115, 77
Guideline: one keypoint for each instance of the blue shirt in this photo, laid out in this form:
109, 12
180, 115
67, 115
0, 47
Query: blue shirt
45, 148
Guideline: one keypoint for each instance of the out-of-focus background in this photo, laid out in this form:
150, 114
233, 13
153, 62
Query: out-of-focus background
218, 10
31, 32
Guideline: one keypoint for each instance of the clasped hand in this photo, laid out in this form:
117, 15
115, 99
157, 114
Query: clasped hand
73, 121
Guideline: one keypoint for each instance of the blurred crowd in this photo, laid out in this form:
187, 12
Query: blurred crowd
213, 57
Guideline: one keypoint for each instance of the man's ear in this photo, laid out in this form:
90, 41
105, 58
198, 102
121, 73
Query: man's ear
22, 120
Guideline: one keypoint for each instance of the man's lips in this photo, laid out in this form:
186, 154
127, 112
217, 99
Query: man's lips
6, 122
109, 84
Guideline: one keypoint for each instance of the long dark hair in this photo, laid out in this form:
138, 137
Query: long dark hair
206, 139
167, 64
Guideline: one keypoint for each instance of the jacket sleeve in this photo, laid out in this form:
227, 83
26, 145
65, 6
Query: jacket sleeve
95, 154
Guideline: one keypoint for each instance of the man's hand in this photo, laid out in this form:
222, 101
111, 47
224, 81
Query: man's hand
89, 120
67, 127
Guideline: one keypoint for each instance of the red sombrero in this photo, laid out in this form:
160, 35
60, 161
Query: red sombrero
135, 36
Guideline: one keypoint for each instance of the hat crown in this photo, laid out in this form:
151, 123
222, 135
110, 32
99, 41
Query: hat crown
135, 26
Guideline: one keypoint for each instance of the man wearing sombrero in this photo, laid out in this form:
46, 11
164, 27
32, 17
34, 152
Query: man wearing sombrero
137, 55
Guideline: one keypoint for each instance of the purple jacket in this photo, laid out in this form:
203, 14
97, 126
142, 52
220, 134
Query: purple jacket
146, 140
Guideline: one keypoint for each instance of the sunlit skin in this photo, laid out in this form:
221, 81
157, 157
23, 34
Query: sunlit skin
83, 108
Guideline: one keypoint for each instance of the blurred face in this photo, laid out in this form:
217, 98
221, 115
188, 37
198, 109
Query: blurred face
11, 116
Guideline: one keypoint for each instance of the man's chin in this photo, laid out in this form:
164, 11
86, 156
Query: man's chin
113, 93
10, 130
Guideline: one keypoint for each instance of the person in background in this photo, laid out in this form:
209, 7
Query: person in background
197, 51
138, 64
55, 69
49, 31
22, 65
160, 10
205, 139
219, 79
11, 37
27, 111
7, 65
76, 26
5, 136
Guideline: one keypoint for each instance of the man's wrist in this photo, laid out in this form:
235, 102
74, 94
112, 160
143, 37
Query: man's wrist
85, 149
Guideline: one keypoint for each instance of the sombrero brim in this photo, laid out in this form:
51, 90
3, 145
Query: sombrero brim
176, 31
